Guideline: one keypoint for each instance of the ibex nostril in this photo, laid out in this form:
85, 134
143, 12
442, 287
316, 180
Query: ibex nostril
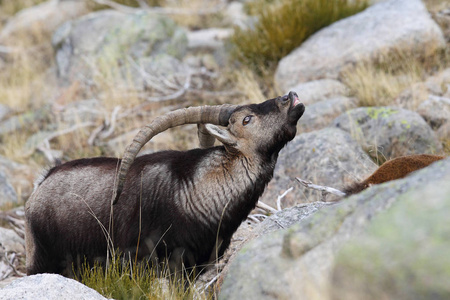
293, 95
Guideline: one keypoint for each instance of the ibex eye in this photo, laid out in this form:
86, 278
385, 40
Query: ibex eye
246, 120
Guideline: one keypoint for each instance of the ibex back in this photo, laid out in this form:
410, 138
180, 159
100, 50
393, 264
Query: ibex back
182, 207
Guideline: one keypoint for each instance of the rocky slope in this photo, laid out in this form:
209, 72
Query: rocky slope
366, 246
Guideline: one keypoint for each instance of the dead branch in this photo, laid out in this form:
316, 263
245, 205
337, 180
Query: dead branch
161, 84
175, 95
324, 189
44, 145
110, 124
11, 264
282, 196
211, 281
265, 207
49, 154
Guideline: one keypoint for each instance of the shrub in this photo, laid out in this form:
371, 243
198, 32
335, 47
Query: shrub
283, 25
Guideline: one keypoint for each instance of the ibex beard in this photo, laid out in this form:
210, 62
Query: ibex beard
179, 207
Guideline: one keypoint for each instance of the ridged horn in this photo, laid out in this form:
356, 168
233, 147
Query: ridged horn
204, 138
217, 115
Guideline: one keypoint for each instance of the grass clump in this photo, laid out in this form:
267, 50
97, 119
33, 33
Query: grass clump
282, 26
11, 7
380, 83
124, 279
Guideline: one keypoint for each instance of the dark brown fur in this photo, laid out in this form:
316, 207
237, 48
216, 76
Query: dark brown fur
394, 169
179, 206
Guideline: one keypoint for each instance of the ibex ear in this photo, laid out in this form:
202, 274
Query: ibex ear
222, 135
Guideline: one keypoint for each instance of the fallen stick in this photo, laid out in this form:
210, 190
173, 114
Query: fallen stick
324, 189
266, 207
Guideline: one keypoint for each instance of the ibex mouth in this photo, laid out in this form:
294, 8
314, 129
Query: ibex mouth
297, 108
294, 98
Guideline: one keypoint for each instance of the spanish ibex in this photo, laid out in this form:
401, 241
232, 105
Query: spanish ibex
171, 205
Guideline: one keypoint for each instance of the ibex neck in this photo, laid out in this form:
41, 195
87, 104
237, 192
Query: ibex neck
231, 185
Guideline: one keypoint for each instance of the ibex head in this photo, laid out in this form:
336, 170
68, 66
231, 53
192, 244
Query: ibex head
264, 127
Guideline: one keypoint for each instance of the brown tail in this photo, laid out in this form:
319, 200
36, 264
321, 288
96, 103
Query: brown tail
394, 169
355, 188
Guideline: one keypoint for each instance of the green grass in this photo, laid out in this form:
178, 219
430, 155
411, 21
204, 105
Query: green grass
283, 26
125, 279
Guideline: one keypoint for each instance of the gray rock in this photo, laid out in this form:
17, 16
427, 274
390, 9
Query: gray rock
322, 113
4, 111
210, 39
435, 110
82, 111
161, 66
326, 157
235, 15
12, 254
288, 217
388, 132
109, 38
18, 176
48, 286
403, 252
413, 96
46, 16
389, 26
10, 242
318, 90
248, 232
7, 192
20, 121
443, 133
298, 263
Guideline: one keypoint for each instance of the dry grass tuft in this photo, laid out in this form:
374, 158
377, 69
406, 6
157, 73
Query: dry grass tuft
11, 7
284, 25
380, 83
246, 82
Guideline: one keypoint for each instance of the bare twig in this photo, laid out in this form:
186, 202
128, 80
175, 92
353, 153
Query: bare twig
110, 124
94, 134
11, 264
211, 281
266, 207
324, 189
282, 196
44, 147
162, 83
69, 130
175, 95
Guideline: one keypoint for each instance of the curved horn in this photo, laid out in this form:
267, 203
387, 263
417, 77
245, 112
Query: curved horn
217, 115
205, 139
